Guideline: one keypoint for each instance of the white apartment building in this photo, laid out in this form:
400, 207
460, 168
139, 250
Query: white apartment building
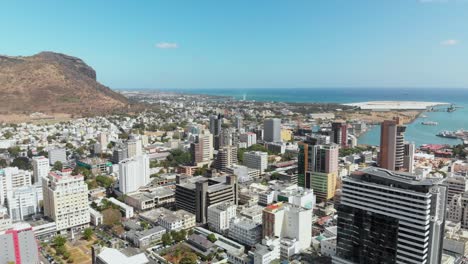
24, 201
58, 154
41, 168
134, 147
267, 251
133, 174
11, 178
256, 160
249, 138
66, 200
245, 231
220, 215
124, 208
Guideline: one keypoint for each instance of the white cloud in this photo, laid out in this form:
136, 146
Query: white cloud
449, 42
167, 45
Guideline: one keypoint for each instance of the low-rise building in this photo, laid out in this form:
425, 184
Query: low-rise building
114, 256
170, 220
95, 165
253, 213
96, 217
145, 238
124, 208
245, 231
145, 200
220, 215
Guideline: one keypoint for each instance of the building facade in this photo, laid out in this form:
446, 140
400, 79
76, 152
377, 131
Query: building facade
272, 130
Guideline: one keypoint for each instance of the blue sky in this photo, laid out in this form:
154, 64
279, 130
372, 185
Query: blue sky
249, 44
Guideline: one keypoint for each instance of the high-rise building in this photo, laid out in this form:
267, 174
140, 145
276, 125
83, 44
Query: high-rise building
226, 157
57, 154
249, 138
340, 133
12, 178
392, 145
317, 158
133, 174
102, 140
390, 217
220, 215
272, 130
323, 184
202, 149
286, 220
23, 202
40, 168
408, 158
256, 160
196, 194
18, 245
134, 147
215, 129
119, 154
66, 200
455, 185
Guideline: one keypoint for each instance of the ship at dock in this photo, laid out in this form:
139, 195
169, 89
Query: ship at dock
429, 123
459, 134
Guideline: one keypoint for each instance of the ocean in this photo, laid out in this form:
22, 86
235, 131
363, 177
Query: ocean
416, 132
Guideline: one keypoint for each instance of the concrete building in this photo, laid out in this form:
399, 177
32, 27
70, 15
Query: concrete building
18, 245
215, 129
41, 168
5, 220
114, 256
254, 213
245, 231
392, 145
408, 157
119, 155
323, 184
66, 200
133, 174
95, 165
267, 251
256, 160
96, 217
23, 202
243, 173
134, 147
57, 154
404, 213
220, 215
289, 221
272, 130
226, 157
455, 185
150, 199
202, 149
170, 220
339, 131
145, 238
249, 138
127, 210
196, 194
12, 178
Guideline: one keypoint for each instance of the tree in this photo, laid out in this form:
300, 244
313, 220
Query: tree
189, 258
212, 238
22, 163
144, 225
59, 241
3, 163
58, 166
104, 181
179, 236
166, 239
14, 151
88, 233
8, 135
69, 145
111, 216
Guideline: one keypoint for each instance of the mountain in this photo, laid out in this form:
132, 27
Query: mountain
54, 83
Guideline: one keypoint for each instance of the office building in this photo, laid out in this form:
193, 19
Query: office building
219, 216
316, 158
339, 133
133, 174
272, 130
66, 200
455, 185
18, 245
215, 129
249, 138
288, 221
256, 160
12, 178
196, 194
119, 154
323, 184
102, 141
202, 149
408, 157
40, 168
392, 145
245, 231
134, 147
390, 217
170, 220
226, 157
23, 202
57, 154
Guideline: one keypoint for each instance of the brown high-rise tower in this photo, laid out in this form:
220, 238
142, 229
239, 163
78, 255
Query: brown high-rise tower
392, 146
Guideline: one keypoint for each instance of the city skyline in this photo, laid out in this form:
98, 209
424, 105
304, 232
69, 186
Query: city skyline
405, 43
